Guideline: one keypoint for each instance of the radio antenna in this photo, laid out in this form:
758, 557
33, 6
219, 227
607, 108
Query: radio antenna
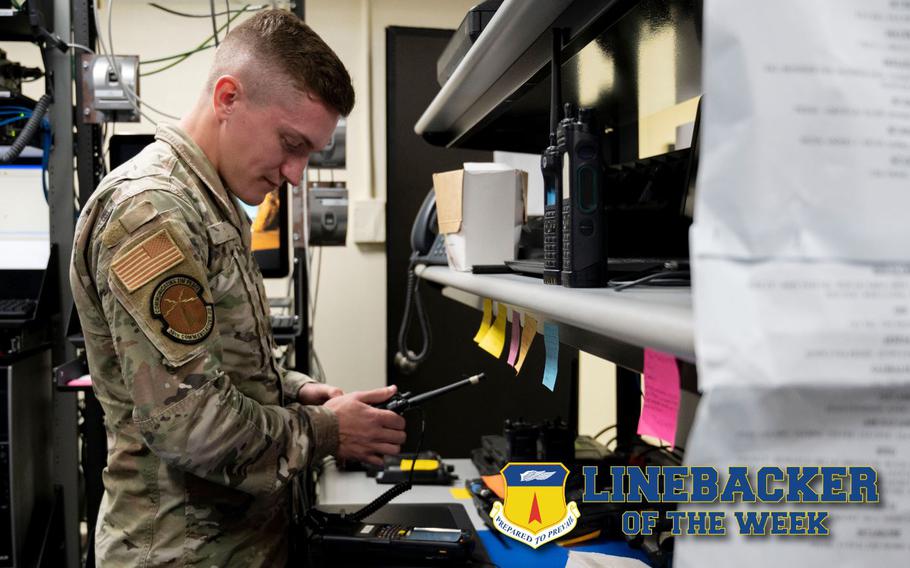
555, 80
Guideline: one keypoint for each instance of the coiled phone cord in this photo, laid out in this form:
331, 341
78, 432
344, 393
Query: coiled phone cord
412, 297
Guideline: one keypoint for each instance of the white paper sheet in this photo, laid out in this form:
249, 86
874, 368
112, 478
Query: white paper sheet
801, 248
805, 141
791, 323
753, 426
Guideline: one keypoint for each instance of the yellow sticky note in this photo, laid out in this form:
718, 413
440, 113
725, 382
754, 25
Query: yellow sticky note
495, 339
487, 318
528, 333
460, 493
419, 465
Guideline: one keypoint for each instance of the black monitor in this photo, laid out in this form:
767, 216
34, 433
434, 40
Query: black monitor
269, 220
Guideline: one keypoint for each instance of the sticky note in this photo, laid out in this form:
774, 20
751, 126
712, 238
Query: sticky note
551, 340
419, 465
460, 493
496, 484
516, 338
661, 406
495, 339
485, 322
83, 381
528, 333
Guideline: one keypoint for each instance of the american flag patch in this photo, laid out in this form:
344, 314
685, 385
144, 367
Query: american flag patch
147, 260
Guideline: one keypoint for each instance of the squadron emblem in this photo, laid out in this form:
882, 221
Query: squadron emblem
534, 510
177, 302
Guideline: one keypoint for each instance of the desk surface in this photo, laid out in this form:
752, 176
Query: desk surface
340, 487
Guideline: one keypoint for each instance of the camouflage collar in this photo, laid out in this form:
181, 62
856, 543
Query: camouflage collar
193, 156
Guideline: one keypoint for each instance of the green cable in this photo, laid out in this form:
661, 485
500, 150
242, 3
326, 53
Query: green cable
176, 55
200, 47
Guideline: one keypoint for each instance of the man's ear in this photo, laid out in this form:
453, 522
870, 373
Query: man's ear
225, 96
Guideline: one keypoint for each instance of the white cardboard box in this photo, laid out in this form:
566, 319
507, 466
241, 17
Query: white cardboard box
480, 209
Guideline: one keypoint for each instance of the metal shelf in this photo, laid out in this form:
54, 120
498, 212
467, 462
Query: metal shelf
610, 324
509, 58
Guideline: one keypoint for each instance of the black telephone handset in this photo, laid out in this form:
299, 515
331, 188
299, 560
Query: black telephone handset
426, 242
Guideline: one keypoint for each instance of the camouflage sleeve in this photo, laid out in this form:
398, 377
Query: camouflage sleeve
156, 295
292, 381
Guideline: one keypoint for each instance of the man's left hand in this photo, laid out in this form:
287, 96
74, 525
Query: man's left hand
317, 393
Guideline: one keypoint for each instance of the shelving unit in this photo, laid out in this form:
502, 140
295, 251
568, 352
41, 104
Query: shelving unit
613, 325
498, 99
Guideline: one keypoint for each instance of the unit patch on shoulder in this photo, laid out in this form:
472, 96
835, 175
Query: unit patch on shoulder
177, 302
147, 260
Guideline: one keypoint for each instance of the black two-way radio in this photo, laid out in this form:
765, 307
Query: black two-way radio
584, 263
551, 168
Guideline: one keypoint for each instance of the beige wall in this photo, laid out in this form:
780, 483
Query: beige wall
351, 314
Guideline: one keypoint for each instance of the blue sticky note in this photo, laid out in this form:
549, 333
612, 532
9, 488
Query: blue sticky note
551, 340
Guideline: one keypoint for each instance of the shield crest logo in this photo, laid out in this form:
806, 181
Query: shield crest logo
535, 509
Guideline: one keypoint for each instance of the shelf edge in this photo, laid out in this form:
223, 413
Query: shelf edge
668, 329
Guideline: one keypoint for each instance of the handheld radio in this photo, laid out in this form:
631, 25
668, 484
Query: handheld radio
583, 225
551, 168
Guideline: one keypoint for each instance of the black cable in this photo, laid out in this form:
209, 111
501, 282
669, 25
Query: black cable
423, 428
604, 431
652, 449
227, 5
662, 278
412, 298
318, 278
175, 56
28, 131
399, 488
214, 22
48, 78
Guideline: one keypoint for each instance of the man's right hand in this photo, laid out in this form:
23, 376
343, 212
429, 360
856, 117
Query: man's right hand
366, 433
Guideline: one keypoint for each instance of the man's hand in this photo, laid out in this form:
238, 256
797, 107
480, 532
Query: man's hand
317, 393
366, 433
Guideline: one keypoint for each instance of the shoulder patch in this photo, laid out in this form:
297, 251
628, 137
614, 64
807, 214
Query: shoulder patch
138, 216
177, 302
147, 260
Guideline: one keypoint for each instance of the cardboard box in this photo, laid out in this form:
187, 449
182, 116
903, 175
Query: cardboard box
480, 209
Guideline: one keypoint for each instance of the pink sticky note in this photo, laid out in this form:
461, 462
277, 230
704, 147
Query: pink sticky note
661, 406
516, 337
83, 381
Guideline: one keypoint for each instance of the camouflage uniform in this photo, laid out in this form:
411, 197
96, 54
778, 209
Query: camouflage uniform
200, 445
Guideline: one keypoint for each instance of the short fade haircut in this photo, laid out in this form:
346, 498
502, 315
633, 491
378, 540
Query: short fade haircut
278, 41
